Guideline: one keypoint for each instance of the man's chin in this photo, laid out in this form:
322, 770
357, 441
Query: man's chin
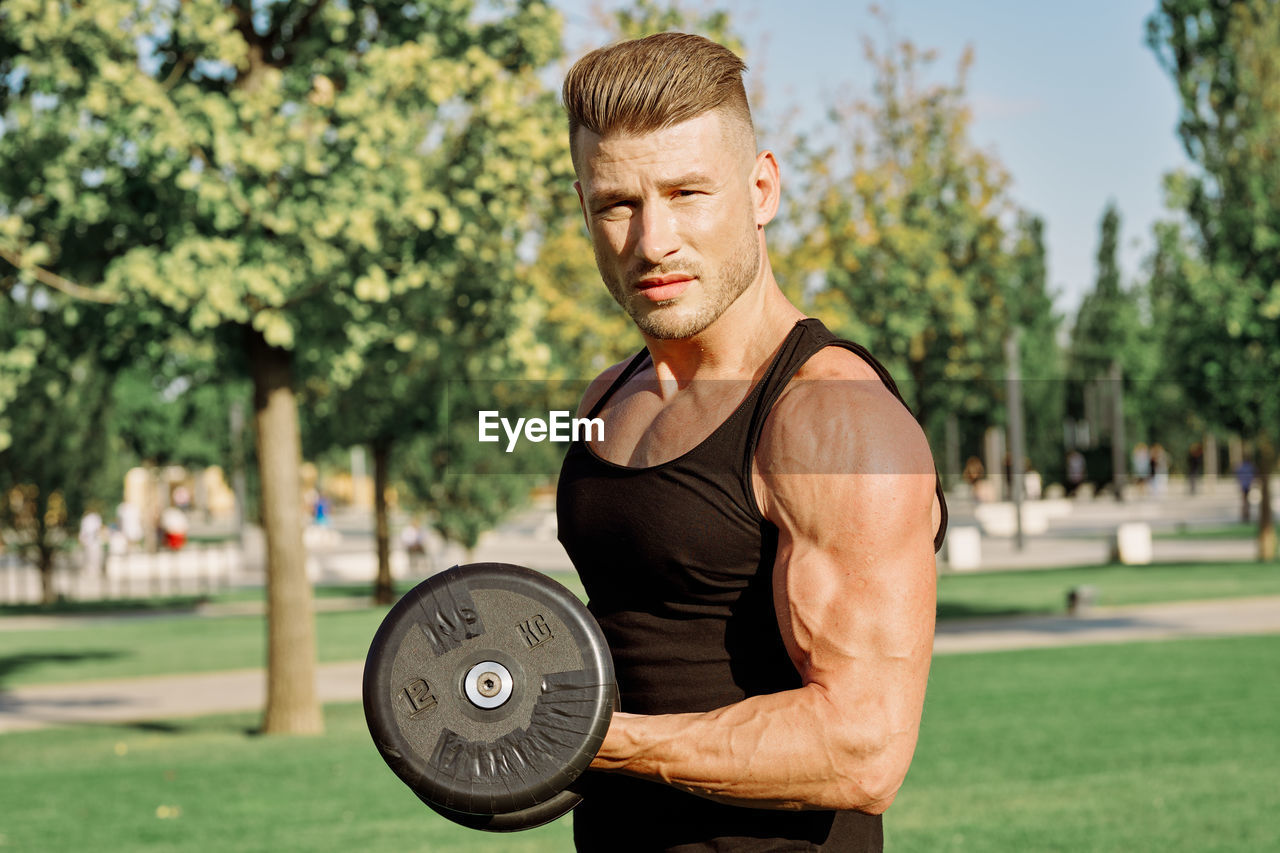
663, 322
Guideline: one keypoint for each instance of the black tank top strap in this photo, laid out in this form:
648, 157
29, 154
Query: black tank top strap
808, 338
627, 372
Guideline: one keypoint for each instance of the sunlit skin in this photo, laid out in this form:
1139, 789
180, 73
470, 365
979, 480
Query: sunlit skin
677, 219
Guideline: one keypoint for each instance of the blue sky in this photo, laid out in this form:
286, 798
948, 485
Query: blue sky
1066, 95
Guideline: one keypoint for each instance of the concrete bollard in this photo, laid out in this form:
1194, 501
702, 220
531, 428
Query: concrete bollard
1131, 544
964, 548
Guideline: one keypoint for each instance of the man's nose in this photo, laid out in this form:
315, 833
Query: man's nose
655, 233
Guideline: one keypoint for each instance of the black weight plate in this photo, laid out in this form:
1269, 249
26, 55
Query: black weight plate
558, 806
488, 761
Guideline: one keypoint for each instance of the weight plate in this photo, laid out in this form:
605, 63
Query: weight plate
488, 689
558, 806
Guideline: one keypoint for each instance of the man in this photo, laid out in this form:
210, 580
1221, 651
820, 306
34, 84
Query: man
756, 531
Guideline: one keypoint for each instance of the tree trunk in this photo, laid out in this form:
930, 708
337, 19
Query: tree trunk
292, 703
382, 590
1266, 524
47, 594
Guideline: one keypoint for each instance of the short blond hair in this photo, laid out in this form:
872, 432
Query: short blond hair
653, 83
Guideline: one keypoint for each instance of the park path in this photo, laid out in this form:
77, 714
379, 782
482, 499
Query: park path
163, 697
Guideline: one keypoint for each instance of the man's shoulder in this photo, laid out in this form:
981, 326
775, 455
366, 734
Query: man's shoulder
600, 385
834, 362
836, 415
839, 382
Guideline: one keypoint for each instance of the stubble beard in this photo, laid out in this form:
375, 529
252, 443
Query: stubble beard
663, 320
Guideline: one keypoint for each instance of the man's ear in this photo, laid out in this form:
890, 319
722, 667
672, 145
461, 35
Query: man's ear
766, 188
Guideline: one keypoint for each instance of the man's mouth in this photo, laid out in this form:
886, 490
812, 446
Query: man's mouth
660, 288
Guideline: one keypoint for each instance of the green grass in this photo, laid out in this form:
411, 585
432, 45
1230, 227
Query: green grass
70, 607
1045, 591
186, 602
1147, 747
163, 645
143, 644
159, 644
210, 784
1239, 530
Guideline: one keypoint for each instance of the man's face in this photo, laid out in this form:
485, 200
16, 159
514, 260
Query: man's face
672, 221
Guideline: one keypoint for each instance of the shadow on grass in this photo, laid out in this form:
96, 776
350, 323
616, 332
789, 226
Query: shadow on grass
954, 610
106, 607
11, 664
176, 728
155, 727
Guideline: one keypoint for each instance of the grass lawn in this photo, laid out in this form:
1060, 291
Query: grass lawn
166, 645
190, 601
1147, 747
156, 643
1238, 530
210, 784
962, 595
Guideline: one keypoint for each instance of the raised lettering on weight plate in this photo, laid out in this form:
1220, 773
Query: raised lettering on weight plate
418, 695
535, 631
517, 754
560, 718
451, 622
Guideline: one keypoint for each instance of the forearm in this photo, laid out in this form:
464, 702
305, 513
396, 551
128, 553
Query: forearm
788, 750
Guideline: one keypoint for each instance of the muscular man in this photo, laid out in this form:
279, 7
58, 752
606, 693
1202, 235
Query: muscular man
756, 531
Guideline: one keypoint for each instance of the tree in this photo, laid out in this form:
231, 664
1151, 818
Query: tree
176, 411
902, 237
271, 174
1105, 337
466, 486
1031, 310
1224, 58
391, 393
55, 466
1107, 316
1167, 406
404, 404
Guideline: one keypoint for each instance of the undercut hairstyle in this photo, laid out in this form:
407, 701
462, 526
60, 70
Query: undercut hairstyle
653, 83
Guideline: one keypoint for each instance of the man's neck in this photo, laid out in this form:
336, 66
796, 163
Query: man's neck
738, 345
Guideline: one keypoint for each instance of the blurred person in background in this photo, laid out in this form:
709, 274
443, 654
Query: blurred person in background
1245, 473
173, 526
1195, 465
91, 541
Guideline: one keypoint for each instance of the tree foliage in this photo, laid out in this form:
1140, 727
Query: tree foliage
57, 465
273, 174
1106, 322
903, 237
1224, 58
1031, 310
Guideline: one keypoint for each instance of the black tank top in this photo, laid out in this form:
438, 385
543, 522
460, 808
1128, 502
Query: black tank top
677, 562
